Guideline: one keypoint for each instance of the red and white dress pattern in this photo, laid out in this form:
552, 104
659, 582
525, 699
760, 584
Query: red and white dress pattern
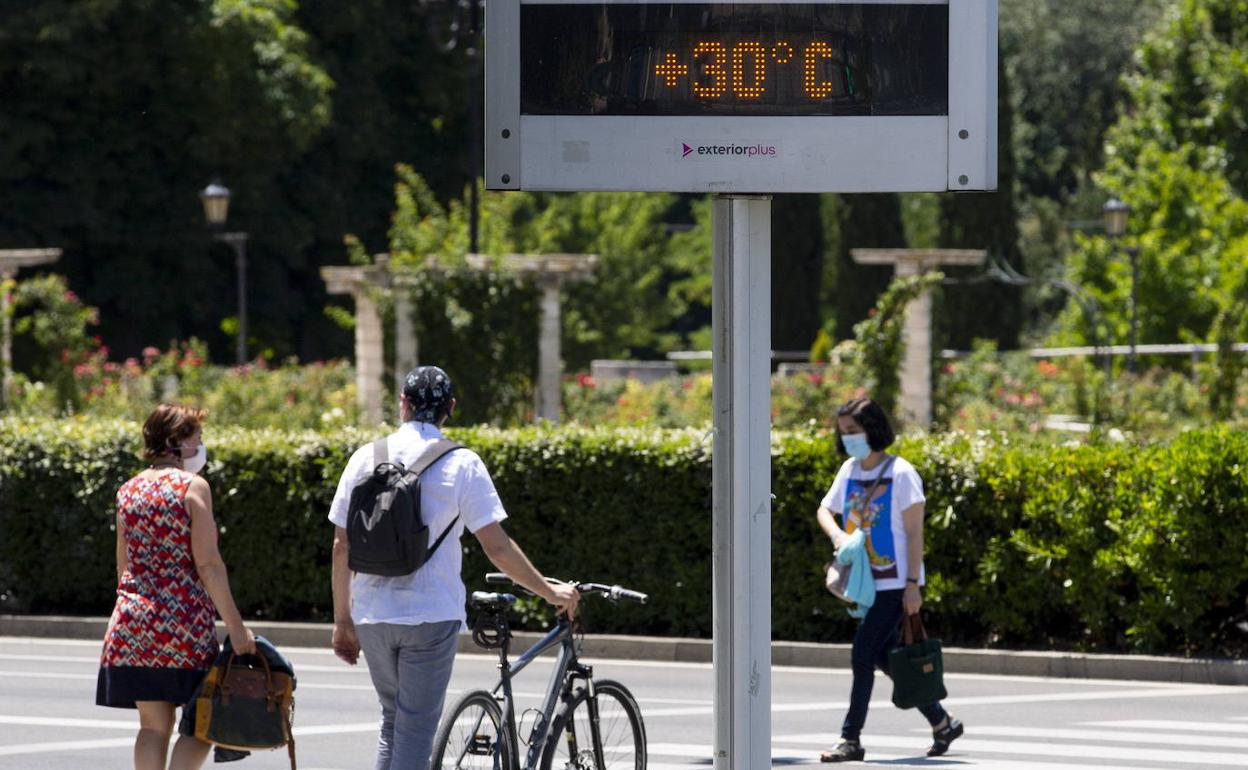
164, 618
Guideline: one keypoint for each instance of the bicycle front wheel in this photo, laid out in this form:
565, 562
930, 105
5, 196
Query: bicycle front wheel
616, 740
472, 736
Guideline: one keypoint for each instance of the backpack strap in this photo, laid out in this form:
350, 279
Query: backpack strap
381, 452
435, 452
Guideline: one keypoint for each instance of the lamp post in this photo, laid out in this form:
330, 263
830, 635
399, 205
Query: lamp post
1116, 215
216, 200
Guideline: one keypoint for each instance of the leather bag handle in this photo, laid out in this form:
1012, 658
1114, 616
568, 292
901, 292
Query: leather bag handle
912, 629
224, 686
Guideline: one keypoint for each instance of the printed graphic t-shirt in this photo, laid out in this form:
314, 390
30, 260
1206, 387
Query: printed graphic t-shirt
881, 521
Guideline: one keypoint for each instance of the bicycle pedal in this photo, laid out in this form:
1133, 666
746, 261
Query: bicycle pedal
481, 746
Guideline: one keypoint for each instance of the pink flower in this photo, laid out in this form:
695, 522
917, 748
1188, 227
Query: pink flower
150, 352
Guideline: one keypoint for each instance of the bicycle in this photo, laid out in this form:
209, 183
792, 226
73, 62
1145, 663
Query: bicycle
598, 727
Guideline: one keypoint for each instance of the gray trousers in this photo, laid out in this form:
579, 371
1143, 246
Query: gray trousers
411, 668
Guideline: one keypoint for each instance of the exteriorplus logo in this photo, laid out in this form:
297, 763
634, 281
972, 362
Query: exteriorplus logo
736, 150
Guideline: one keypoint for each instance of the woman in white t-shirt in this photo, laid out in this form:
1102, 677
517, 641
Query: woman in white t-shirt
893, 524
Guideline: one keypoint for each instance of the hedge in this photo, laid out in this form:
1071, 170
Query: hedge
1104, 547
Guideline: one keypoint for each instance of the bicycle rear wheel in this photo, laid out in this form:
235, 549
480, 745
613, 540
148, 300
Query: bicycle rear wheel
472, 736
575, 738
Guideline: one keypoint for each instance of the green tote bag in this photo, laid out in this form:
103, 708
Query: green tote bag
916, 667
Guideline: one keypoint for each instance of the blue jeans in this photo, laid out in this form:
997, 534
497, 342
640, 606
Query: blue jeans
411, 668
876, 636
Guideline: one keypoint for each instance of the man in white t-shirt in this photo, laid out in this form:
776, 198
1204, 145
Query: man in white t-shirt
407, 626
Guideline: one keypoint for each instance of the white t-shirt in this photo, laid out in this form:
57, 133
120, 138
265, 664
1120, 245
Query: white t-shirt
458, 483
883, 523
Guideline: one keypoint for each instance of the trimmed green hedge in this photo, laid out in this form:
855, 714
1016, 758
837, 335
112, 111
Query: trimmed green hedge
1100, 547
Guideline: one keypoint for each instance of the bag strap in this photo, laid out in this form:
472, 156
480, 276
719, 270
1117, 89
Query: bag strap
381, 452
431, 455
912, 629
879, 477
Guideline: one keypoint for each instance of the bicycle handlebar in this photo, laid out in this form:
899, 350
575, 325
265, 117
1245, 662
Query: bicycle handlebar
614, 592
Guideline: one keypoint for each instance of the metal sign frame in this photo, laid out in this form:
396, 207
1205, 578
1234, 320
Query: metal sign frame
957, 151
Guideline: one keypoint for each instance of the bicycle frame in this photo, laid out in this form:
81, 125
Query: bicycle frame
565, 663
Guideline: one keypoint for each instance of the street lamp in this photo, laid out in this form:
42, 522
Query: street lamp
1116, 215
216, 200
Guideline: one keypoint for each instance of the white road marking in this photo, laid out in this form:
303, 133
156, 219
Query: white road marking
1162, 738
45, 748
916, 759
974, 746
1162, 724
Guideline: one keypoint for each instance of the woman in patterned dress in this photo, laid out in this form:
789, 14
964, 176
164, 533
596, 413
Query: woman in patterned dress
171, 584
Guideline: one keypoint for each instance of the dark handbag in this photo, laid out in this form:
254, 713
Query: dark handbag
916, 667
836, 576
244, 702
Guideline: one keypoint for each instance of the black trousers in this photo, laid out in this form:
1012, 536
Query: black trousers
876, 636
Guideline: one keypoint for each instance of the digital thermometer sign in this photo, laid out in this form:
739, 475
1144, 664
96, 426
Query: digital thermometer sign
751, 97
755, 59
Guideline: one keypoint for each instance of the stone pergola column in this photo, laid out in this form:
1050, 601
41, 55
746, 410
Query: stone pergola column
11, 260
370, 363
550, 272
916, 363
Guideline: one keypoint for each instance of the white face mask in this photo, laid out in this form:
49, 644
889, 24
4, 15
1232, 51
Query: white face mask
857, 445
196, 462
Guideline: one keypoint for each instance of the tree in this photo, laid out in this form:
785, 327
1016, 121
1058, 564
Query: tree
862, 221
116, 112
1064, 59
1179, 156
984, 221
796, 270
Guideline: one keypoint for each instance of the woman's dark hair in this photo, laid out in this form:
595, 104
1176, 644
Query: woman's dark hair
874, 422
168, 426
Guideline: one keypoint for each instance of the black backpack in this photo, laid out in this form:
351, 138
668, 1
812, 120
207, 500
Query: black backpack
385, 532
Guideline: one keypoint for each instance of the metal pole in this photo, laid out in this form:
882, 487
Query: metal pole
1133, 253
241, 265
741, 481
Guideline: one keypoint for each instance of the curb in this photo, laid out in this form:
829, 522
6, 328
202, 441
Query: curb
1061, 665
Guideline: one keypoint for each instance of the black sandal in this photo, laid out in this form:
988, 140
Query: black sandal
943, 737
845, 751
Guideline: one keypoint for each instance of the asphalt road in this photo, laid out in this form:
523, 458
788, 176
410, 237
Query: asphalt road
48, 720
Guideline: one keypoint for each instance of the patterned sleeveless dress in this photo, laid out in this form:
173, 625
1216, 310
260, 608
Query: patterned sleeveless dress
161, 637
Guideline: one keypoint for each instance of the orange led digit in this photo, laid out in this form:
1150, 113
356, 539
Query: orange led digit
782, 52
754, 87
815, 54
711, 56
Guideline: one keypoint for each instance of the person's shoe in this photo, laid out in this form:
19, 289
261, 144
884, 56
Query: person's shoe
943, 737
845, 751
222, 754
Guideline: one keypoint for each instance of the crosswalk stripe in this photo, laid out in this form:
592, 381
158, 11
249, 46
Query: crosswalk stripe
45, 748
1058, 733
1162, 724
789, 757
975, 746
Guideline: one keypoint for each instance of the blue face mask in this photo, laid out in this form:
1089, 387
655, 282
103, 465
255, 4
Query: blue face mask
856, 445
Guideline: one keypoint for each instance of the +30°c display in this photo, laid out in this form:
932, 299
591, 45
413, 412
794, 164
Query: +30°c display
742, 70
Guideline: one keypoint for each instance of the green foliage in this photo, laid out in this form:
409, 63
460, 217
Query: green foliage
879, 341
638, 269
1180, 158
1100, 547
1064, 60
55, 322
